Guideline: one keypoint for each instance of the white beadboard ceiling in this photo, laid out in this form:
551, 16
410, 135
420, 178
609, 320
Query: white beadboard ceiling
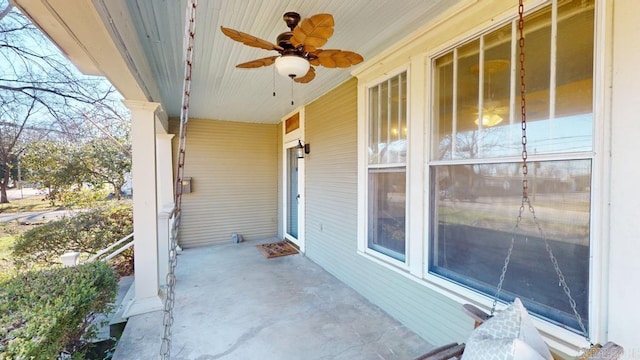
221, 91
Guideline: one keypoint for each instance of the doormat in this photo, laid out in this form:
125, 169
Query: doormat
280, 248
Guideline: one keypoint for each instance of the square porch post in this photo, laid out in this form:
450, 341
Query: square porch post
165, 202
145, 207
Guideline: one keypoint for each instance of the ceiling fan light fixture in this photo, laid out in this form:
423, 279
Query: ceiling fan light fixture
292, 66
489, 120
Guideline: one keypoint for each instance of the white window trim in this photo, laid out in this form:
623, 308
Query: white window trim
561, 339
289, 140
297, 133
363, 167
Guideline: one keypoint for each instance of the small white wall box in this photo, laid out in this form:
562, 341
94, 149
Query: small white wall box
186, 185
70, 259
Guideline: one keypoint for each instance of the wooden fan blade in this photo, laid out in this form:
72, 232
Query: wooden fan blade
249, 40
310, 75
313, 32
258, 62
336, 58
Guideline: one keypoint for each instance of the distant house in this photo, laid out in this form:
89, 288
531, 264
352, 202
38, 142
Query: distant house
411, 188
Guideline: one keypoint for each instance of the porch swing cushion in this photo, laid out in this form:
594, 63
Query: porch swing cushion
510, 334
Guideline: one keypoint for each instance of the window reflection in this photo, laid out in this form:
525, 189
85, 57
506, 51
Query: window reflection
476, 207
387, 156
387, 225
475, 171
388, 122
559, 99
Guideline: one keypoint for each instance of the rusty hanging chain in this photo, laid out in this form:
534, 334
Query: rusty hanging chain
525, 168
525, 191
523, 106
168, 319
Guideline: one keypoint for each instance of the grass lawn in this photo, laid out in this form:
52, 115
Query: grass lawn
6, 265
10, 229
32, 203
8, 232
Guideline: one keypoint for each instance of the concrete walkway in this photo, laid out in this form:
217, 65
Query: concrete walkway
232, 303
31, 217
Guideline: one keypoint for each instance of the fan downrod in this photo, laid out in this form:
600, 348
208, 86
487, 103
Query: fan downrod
284, 39
292, 19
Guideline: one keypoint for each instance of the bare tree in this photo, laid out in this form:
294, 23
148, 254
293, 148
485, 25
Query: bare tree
5, 10
43, 96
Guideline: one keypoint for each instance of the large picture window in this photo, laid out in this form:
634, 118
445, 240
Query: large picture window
386, 167
475, 177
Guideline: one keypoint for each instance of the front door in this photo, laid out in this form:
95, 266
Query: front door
294, 205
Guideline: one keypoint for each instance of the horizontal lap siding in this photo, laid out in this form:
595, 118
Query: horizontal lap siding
331, 224
234, 170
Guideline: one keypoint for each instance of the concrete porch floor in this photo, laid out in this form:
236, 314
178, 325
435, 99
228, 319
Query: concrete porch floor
233, 303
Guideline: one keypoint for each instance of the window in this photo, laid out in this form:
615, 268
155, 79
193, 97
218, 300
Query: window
386, 167
475, 175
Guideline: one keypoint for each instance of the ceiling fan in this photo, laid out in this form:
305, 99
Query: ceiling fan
298, 48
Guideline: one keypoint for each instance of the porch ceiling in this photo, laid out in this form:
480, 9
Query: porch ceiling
221, 91
149, 37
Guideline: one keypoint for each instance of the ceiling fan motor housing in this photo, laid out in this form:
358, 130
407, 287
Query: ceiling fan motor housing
284, 40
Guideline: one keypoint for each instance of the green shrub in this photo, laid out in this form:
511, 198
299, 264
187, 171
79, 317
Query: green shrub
83, 198
45, 312
87, 232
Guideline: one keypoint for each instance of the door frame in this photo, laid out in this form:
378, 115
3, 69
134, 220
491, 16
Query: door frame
290, 140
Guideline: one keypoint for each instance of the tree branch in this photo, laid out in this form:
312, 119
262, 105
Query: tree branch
6, 11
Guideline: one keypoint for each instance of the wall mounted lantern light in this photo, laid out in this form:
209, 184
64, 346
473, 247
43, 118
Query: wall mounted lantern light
302, 149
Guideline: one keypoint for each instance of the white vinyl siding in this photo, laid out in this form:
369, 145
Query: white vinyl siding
331, 227
233, 167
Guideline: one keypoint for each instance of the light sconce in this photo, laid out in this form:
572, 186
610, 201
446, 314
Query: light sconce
292, 66
302, 149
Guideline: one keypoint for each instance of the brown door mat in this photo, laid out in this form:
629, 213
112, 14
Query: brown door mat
280, 248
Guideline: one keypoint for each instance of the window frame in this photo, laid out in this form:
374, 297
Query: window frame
415, 54
364, 167
556, 336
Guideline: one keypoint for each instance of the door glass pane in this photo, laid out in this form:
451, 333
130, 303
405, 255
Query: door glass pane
292, 192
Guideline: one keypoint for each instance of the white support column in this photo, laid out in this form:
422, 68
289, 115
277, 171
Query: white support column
623, 264
165, 201
145, 207
164, 231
